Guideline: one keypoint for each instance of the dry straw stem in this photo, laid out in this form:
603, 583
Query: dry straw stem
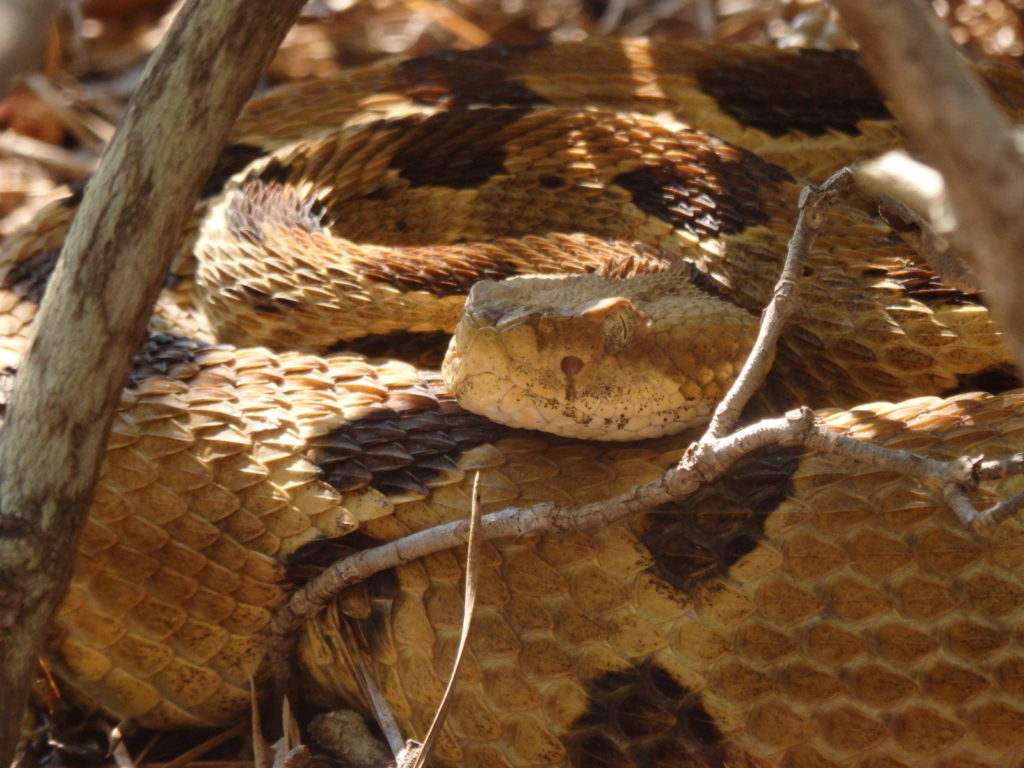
416, 755
949, 117
704, 462
91, 132
99, 299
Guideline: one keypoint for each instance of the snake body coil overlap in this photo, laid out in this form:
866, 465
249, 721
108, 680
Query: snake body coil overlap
801, 612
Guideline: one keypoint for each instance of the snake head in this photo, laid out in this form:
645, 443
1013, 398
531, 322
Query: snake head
587, 356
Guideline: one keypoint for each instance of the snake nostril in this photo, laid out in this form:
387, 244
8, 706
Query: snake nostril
571, 365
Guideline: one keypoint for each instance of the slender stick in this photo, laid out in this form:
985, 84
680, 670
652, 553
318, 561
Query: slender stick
814, 199
418, 756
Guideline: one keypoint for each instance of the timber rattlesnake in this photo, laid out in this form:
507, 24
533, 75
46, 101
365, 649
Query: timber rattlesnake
799, 613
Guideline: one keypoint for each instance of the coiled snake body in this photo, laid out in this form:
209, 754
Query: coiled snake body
800, 612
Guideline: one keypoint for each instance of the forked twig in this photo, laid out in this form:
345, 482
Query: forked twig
704, 462
814, 200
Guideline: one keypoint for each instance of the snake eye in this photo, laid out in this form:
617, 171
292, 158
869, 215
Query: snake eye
619, 320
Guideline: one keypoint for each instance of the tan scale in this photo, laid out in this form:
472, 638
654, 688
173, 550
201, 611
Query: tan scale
205, 489
646, 76
799, 613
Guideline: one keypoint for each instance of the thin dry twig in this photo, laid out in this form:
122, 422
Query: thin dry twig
986, 520
912, 200
261, 754
92, 132
936, 250
813, 201
119, 750
466, 32
383, 716
290, 751
705, 461
191, 757
702, 464
70, 165
995, 469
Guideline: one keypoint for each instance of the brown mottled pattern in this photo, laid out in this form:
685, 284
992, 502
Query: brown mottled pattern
801, 613
836, 618
702, 539
266, 201
823, 91
22, 285
663, 723
28, 279
164, 355
234, 158
719, 191
210, 485
424, 350
643, 716
460, 150
456, 79
402, 445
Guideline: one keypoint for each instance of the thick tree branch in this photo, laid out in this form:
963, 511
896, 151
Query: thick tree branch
949, 117
95, 311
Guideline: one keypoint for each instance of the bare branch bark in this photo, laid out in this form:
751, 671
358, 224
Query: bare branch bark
92, 319
811, 217
948, 116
